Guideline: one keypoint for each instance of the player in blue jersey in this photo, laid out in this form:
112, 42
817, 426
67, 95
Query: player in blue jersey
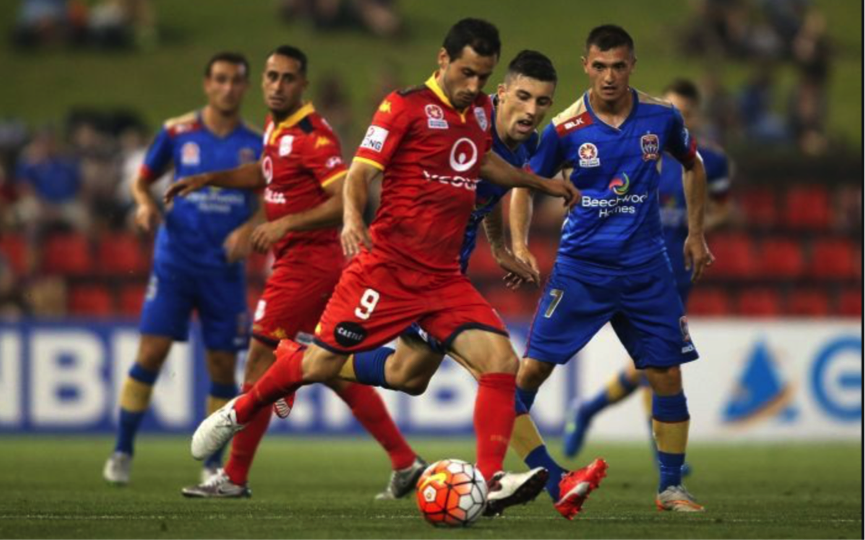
520, 105
685, 96
198, 257
611, 264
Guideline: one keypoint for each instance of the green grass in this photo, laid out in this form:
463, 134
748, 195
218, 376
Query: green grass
165, 81
323, 488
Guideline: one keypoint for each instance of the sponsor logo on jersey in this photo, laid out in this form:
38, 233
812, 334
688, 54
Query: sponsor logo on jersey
573, 124
267, 169
322, 141
332, 162
285, 144
650, 145
375, 138
619, 186
384, 107
481, 117
464, 155
274, 197
589, 155
246, 155
349, 334
470, 184
190, 154
435, 117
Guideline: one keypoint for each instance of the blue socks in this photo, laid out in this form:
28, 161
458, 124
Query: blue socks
540, 457
130, 421
369, 366
670, 422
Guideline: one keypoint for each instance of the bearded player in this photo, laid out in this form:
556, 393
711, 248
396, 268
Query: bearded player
611, 264
302, 174
406, 268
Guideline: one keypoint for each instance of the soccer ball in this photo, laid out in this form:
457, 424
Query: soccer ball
451, 493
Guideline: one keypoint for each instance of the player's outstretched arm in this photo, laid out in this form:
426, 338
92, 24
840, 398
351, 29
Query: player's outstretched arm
247, 176
324, 215
521, 220
697, 254
500, 172
518, 272
355, 235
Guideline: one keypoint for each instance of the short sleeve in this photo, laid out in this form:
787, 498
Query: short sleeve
323, 157
158, 158
717, 173
680, 144
548, 157
389, 125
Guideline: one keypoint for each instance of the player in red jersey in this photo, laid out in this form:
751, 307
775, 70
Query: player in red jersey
432, 143
302, 173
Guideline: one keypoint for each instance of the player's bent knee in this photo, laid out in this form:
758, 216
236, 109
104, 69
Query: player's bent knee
533, 373
414, 387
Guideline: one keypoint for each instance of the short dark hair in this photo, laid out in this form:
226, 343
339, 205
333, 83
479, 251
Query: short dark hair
480, 35
685, 88
609, 36
291, 52
534, 65
235, 58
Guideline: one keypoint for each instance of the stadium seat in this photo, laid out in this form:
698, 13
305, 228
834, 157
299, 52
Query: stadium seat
14, 247
850, 303
807, 207
734, 256
91, 301
759, 206
781, 258
709, 302
759, 302
67, 254
121, 254
482, 264
131, 299
835, 259
808, 303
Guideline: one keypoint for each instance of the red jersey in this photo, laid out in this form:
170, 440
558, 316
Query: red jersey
301, 156
430, 154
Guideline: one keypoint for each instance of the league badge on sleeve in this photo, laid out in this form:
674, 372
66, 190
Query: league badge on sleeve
650, 146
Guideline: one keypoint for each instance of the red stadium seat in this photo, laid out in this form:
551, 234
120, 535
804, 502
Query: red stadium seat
121, 254
835, 259
850, 303
759, 206
67, 253
709, 302
131, 299
14, 247
807, 207
759, 303
482, 264
781, 258
734, 256
91, 300
808, 303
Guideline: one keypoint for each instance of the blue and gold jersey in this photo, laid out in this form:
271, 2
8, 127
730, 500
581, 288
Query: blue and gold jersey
195, 227
488, 194
616, 226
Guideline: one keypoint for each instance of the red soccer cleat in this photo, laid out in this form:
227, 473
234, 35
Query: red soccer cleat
576, 486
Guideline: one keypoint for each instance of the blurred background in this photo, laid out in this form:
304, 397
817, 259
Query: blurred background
87, 83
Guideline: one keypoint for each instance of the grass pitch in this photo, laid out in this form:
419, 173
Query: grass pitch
323, 488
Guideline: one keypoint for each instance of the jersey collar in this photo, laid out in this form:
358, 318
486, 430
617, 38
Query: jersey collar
305, 110
606, 126
433, 85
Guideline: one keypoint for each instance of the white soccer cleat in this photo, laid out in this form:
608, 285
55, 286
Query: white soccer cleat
508, 489
118, 468
677, 499
219, 486
403, 481
208, 472
215, 431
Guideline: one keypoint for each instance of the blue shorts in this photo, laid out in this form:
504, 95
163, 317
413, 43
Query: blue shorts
643, 307
219, 299
416, 333
675, 252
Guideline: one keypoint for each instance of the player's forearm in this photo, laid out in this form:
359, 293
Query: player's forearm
141, 192
356, 190
694, 183
498, 171
495, 228
325, 215
521, 217
247, 176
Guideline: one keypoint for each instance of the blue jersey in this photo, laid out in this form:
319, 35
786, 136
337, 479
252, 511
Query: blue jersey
617, 226
488, 194
196, 226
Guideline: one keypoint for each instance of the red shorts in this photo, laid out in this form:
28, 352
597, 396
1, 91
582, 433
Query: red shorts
292, 302
377, 299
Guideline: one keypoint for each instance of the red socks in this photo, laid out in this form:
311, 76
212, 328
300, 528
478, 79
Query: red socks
494, 420
285, 376
245, 444
369, 409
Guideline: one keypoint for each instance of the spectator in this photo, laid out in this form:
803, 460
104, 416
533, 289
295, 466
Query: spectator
52, 181
376, 16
